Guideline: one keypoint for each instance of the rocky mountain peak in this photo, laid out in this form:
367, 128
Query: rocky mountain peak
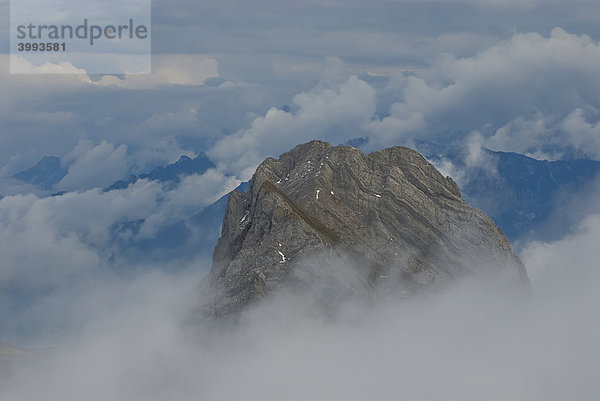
397, 222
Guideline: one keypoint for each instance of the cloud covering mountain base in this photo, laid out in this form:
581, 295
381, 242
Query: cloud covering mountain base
462, 343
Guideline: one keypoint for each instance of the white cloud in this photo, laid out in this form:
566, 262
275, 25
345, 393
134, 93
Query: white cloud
507, 93
506, 97
549, 137
54, 112
61, 256
569, 261
524, 135
529, 75
35, 253
158, 151
193, 194
583, 135
20, 65
542, 348
332, 111
49, 242
93, 166
168, 69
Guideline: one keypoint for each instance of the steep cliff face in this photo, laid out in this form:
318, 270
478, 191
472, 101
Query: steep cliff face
390, 216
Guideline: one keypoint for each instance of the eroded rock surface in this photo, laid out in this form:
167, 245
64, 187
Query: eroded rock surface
397, 222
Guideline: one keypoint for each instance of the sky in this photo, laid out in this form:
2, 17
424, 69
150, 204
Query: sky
393, 70
242, 81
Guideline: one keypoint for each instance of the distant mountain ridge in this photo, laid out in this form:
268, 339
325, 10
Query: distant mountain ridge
169, 173
518, 192
49, 171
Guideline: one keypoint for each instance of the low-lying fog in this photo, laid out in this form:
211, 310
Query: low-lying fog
125, 341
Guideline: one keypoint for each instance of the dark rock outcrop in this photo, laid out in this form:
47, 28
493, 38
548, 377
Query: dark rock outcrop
390, 215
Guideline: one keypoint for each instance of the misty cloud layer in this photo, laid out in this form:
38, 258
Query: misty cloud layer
463, 343
53, 250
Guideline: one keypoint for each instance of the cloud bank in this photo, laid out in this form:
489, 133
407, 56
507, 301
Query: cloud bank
464, 343
530, 94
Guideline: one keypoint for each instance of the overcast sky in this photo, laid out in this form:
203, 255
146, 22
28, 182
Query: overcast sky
388, 70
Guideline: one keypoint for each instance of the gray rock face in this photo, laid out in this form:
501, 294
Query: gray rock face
398, 224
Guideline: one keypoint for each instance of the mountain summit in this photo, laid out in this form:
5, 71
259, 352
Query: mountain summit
394, 224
